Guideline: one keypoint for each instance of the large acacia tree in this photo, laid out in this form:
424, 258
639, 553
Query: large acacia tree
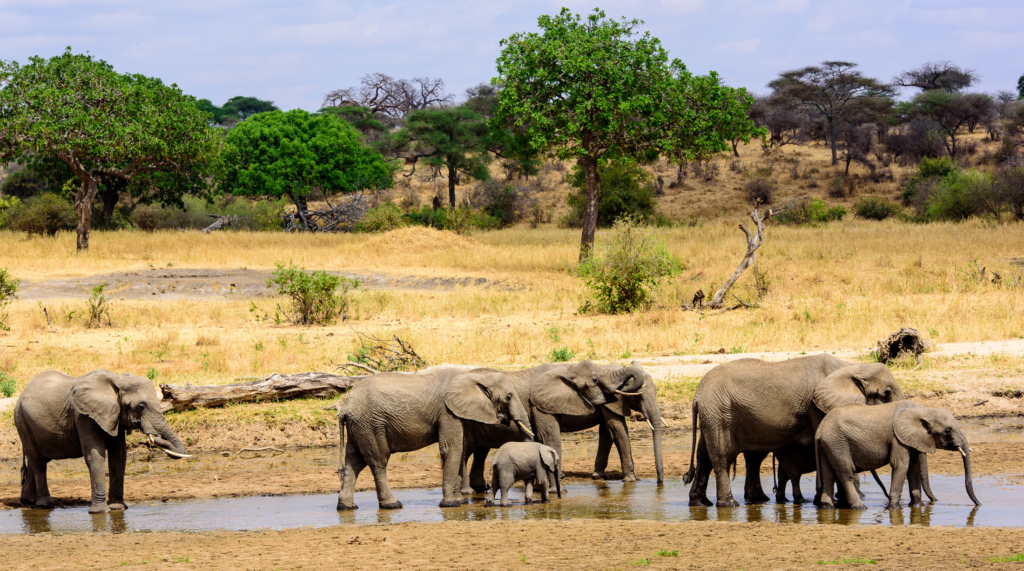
100, 123
587, 89
291, 153
453, 138
834, 90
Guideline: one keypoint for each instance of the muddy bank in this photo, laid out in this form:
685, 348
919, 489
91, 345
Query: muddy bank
573, 544
210, 284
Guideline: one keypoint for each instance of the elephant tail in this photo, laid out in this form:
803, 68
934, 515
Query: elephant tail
775, 481
342, 421
880, 484
24, 471
688, 477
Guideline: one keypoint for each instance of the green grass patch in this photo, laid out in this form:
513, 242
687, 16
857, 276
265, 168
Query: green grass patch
272, 414
677, 390
640, 562
1018, 558
848, 561
664, 553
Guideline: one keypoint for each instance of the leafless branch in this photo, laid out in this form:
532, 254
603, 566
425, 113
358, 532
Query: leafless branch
754, 241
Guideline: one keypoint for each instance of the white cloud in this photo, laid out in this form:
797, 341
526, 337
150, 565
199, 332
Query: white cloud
740, 47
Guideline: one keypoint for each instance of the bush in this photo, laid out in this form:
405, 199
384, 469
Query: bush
1008, 186
44, 214
625, 190
382, 218
958, 195
876, 208
928, 171
505, 202
841, 187
313, 296
760, 188
633, 263
8, 293
247, 215
816, 211
7, 385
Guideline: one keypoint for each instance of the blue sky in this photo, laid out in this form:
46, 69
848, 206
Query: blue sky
294, 52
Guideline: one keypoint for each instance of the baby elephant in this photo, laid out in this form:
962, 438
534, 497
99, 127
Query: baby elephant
855, 438
531, 462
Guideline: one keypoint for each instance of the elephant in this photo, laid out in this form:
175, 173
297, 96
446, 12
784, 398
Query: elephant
573, 397
794, 461
59, 416
754, 407
531, 462
387, 413
853, 438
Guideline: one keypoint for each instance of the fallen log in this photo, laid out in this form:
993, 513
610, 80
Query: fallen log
274, 387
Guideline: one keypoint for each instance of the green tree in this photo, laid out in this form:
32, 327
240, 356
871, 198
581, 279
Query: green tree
238, 108
453, 138
625, 191
1020, 87
586, 90
99, 122
951, 111
290, 153
834, 90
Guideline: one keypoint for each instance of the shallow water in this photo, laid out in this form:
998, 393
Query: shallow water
1003, 506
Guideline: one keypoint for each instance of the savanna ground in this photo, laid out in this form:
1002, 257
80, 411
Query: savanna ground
837, 287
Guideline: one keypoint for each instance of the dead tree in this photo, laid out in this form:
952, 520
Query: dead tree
906, 341
340, 218
219, 222
754, 241
376, 355
272, 388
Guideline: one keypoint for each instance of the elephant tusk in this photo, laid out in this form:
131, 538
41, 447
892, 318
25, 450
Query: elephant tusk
175, 455
964, 454
627, 394
150, 440
665, 423
524, 429
649, 424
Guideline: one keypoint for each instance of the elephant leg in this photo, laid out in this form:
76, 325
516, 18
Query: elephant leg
37, 467
845, 475
542, 483
780, 487
798, 496
450, 442
827, 479
549, 432
914, 478
28, 484
856, 485
95, 460
489, 500
900, 462
529, 490
352, 465
385, 498
476, 474
723, 452
753, 493
117, 459
505, 481
604, 448
702, 474
620, 436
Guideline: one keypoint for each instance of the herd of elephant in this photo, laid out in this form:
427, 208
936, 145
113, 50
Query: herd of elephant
814, 413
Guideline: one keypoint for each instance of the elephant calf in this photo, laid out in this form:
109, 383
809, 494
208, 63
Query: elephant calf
854, 438
530, 462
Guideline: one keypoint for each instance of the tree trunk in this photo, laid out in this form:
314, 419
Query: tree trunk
589, 165
83, 207
274, 387
301, 209
832, 143
451, 185
735, 144
110, 198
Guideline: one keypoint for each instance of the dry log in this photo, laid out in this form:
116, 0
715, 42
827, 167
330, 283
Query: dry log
219, 222
754, 241
906, 341
274, 387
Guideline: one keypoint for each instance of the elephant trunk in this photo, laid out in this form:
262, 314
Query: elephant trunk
519, 417
154, 425
558, 483
653, 414
965, 450
926, 484
629, 380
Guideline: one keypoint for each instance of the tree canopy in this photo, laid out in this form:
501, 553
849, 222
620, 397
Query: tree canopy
454, 138
937, 75
950, 111
236, 109
586, 89
291, 153
100, 123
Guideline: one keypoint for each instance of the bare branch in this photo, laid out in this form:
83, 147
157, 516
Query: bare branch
754, 242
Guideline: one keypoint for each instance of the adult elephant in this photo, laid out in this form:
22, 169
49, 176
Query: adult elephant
395, 412
59, 416
574, 397
755, 406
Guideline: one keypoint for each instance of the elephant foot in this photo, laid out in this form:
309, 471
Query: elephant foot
488, 503
44, 504
346, 507
798, 499
597, 476
467, 491
451, 503
27, 501
858, 506
477, 488
783, 500
528, 501
826, 506
395, 505
630, 478
99, 509
699, 503
727, 503
757, 499
117, 505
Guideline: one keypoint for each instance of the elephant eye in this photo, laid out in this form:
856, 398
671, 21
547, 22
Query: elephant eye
508, 397
949, 430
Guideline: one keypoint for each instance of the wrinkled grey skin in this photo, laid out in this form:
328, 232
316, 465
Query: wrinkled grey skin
531, 462
854, 438
59, 416
794, 461
395, 412
569, 398
754, 406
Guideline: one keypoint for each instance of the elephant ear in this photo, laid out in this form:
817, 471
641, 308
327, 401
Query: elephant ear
840, 388
468, 397
550, 458
95, 395
554, 393
912, 428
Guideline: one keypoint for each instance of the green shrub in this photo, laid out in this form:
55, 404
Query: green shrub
44, 214
382, 218
815, 211
99, 308
632, 264
561, 355
7, 385
8, 293
876, 208
503, 202
957, 196
246, 214
625, 190
313, 296
927, 170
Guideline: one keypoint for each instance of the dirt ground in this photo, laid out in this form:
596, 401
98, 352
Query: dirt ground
575, 544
